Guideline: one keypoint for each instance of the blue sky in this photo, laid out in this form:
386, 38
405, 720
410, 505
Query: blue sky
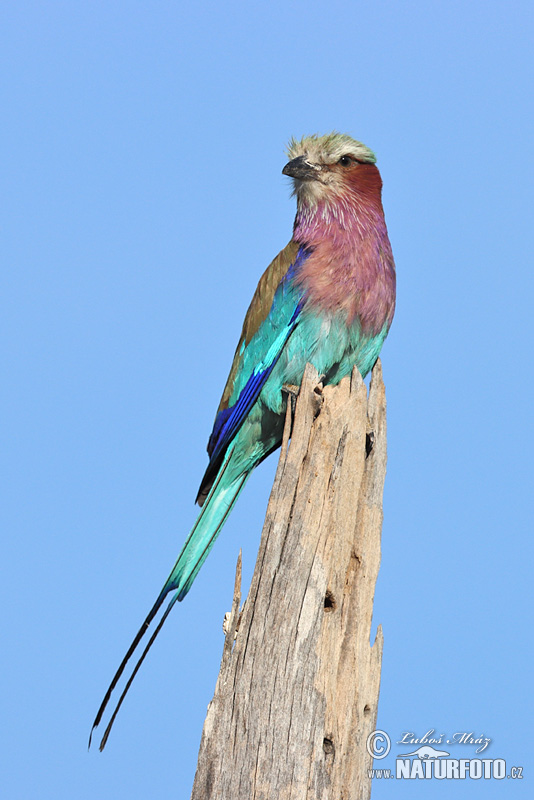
142, 198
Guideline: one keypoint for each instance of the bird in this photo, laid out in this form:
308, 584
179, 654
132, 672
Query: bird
328, 298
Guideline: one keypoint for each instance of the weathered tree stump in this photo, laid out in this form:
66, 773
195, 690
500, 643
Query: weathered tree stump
297, 692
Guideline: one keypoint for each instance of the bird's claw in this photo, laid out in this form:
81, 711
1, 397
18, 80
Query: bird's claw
289, 388
292, 393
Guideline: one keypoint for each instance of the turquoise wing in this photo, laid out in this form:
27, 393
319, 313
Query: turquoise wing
258, 351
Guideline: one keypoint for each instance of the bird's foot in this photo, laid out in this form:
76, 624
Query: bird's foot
289, 388
292, 392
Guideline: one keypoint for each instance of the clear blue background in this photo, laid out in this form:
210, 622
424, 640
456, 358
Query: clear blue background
142, 197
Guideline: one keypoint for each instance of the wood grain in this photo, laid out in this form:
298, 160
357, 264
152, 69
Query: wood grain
297, 691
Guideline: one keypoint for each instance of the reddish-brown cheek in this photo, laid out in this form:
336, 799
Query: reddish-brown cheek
365, 180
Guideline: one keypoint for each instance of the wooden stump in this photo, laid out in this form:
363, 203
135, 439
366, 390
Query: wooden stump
297, 692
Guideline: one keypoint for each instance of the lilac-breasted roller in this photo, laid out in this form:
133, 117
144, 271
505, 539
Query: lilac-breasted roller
328, 298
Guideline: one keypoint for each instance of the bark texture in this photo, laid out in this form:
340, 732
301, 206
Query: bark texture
297, 692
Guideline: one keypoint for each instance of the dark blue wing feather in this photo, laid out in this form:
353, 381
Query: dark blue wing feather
229, 420
258, 358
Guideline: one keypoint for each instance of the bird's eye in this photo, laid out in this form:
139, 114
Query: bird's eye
345, 161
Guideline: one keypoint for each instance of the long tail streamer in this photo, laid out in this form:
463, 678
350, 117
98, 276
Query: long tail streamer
201, 539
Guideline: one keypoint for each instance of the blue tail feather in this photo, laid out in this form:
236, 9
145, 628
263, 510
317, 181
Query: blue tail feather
196, 549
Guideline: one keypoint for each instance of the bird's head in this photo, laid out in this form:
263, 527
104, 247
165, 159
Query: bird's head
328, 168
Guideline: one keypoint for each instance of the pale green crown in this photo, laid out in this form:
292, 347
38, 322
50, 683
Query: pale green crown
329, 149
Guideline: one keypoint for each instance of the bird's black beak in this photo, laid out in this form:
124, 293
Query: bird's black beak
301, 169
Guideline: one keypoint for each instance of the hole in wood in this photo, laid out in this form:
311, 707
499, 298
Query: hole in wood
318, 400
329, 602
328, 747
367, 710
369, 443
